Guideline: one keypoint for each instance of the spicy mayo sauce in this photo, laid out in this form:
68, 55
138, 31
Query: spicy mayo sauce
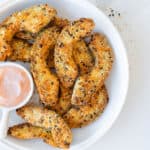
14, 86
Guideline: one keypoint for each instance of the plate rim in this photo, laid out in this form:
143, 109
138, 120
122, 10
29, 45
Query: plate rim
85, 144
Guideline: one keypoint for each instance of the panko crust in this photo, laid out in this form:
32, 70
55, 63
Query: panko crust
19, 44
60, 22
28, 131
32, 19
46, 82
8, 28
64, 102
50, 120
82, 57
80, 116
21, 50
87, 85
65, 65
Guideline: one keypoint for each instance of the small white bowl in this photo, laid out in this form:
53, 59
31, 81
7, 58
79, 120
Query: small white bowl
6, 110
117, 83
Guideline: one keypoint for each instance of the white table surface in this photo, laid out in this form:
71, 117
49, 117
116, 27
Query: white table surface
131, 131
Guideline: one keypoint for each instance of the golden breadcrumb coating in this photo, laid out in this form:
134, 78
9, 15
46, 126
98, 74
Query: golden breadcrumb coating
32, 19
64, 102
50, 120
21, 50
28, 131
65, 65
79, 116
87, 85
46, 82
82, 57
60, 22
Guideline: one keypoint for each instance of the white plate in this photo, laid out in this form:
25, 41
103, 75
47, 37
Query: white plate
117, 82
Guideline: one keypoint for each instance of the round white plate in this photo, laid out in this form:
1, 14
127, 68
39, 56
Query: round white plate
117, 82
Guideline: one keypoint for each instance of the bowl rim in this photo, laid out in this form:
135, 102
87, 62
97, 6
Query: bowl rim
85, 144
29, 76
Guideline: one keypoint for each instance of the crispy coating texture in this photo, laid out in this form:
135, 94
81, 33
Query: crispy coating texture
60, 22
80, 116
84, 60
36, 17
31, 19
7, 30
64, 102
46, 82
65, 65
21, 50
87, 85
28, 131
50, 120
82, 57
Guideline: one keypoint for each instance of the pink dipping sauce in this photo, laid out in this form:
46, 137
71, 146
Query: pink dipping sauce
14, 86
